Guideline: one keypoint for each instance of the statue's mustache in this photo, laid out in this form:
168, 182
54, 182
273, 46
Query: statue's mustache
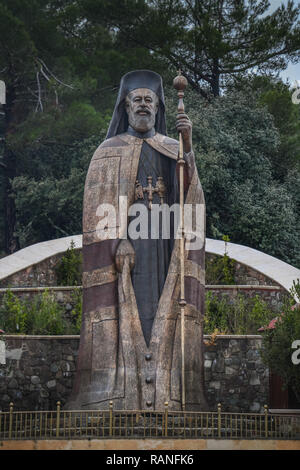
143, 110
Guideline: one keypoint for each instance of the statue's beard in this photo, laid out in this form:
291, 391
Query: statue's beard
141, 123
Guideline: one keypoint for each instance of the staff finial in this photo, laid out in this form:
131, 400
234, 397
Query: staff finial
180, 84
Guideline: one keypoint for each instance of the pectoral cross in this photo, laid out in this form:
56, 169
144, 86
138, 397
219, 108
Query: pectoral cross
160, 189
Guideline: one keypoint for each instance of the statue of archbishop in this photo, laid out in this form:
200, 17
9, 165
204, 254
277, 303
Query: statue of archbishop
130, 349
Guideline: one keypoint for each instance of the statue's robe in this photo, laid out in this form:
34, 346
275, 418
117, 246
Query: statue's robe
152, 253
115, 362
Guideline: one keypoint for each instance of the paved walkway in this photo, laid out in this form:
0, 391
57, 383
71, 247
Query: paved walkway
279, 271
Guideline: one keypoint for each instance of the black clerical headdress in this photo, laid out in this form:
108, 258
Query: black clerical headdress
129, 82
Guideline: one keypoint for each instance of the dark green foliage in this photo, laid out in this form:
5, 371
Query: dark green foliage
44, 315
76, 311
220, 269
276, 96
49, 203
69, 269
41, 315
61, 75
13, 314
277, 346
234, 141
213, 41
295, 290
62, 62
241, 316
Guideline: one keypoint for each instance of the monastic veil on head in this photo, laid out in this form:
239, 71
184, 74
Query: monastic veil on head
129, 82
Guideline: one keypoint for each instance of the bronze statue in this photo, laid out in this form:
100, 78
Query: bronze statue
141, 296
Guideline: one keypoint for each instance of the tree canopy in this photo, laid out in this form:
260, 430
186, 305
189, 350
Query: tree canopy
213, 41
61, 81
62, 62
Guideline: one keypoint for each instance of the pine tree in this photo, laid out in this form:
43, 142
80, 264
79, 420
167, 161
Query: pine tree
212, 41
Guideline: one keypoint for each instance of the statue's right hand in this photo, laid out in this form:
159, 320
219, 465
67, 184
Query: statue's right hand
125, 249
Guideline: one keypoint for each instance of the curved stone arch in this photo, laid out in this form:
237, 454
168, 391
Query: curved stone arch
280, 272
35, 254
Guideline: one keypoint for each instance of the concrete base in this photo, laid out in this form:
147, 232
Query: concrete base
151, 444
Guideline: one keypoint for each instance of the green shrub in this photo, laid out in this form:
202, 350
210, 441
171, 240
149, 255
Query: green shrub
76, 311
68, 269
295, 290
240, 316
277, 348
41, 315
14, 314
216, 312
220, 269
47, 315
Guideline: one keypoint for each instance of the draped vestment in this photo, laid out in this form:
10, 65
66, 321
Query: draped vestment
115, 362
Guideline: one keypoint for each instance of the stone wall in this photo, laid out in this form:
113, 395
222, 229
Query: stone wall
235, 375
244, 275
273, 295
43, 274
37, 371
63, 295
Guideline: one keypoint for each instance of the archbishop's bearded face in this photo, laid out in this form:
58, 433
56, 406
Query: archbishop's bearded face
141, 107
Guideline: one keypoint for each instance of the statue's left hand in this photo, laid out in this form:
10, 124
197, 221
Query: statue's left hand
184, 125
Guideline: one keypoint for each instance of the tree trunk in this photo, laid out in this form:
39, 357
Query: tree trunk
215, 84
10, 171
11, 241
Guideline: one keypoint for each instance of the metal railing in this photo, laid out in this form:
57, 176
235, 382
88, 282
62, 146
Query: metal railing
135, 424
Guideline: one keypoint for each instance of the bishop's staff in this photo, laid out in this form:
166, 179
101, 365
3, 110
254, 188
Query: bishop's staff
180, 83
